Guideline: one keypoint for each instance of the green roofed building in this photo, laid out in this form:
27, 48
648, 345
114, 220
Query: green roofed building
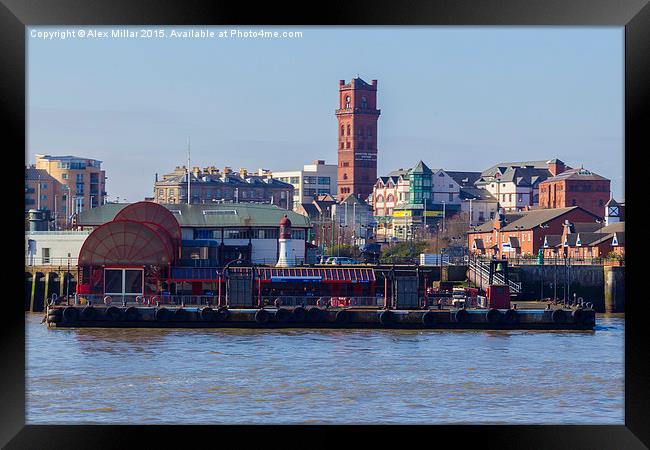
213, 234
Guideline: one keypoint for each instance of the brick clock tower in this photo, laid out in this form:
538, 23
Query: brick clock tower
357, 116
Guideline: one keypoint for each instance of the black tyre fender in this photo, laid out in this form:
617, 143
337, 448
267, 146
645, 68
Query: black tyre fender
589, 317
343, 316
71, 314
558, 316
461, 316
223, 314
282, 314
578, 315
493, 316
180, 315
131, 314
511, 316
314, 314
207, 314
113, 313
299, 314
386, 317
54, 318
58, 312
262, 316
162, 315
429, 319
88, 313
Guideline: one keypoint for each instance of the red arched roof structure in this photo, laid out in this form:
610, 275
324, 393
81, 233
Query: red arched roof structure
153, 213
124, 243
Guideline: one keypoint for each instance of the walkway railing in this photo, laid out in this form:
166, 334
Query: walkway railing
50, 261
481, 268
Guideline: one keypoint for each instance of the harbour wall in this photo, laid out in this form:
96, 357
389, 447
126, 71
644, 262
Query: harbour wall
604, 286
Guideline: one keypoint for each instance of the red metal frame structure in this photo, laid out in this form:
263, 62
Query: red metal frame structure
154, 216
125, 244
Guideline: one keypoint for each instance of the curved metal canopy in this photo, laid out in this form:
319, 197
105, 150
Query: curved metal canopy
152, 213
124, 243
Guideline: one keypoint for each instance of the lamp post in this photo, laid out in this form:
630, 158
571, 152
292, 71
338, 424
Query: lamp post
470, 211
443, 216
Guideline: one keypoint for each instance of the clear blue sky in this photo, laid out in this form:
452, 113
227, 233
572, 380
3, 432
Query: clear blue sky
459, 98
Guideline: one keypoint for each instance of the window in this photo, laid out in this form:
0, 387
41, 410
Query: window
451, 196
342, 144
520, 197
347, 105
123, 282
236, 234
324, 180
45, 253
360, 131
310, 180
347, 145
342, 130
364, 102
267, 233
80, 178
573, 202
348, 132
369, 129
294, 180
298, 234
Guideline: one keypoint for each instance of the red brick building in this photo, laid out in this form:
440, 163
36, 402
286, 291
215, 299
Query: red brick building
575, 187
357, 144
586, 240
524, 232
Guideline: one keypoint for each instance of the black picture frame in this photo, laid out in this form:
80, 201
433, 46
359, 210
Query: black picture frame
634, 15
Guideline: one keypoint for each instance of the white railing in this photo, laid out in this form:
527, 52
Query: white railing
50, 261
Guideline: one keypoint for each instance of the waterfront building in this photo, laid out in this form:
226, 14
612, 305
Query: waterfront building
53, 248
420, 196
516, 185
575, 187
215, 234
479, 205
210, 186
313, 180
83, 181
520, 233
589, 240
357, 117
45, 194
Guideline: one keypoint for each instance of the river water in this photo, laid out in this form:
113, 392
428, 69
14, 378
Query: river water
140, 376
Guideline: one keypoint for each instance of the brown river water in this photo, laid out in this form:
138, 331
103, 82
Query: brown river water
201, 376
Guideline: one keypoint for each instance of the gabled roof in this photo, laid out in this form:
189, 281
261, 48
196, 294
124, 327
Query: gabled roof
31, 173
464, 178
620, 237
477, 194
552, 240
537, 217
613, 228
422, 168
588, 238
576, 175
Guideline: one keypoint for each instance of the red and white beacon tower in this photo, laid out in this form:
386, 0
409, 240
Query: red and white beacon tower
284, 259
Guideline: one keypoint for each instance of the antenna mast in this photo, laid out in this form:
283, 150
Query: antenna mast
188, 170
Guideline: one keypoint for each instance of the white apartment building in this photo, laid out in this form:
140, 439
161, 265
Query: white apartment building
314, 179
